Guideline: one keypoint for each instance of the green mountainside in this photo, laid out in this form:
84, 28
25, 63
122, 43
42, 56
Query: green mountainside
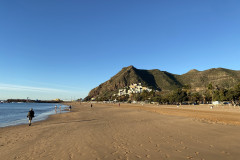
165, 81
220, 77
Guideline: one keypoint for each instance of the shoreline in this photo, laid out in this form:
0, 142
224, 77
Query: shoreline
46, 117
108, 131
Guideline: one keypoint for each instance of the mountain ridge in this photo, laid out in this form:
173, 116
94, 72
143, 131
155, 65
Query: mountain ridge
165, 81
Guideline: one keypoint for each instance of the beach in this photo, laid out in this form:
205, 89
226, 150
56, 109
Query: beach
128, 131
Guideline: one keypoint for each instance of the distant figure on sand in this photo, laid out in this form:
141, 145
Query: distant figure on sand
119, 104
30, 116
70, 107
56, 109
60, 107
91, 105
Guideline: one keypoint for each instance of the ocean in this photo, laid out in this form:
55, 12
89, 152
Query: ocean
16, 113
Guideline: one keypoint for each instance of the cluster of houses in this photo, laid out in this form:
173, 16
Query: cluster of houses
132, 89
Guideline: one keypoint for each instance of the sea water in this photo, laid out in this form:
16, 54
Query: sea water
16, 113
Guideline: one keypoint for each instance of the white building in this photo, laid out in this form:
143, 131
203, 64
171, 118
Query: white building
133, 89
122, 92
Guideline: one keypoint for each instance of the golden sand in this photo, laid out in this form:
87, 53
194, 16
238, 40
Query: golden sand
110, 132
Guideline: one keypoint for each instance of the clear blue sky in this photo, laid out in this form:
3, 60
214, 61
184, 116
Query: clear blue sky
64, 48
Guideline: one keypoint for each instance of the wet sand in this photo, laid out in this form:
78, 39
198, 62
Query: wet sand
127, 132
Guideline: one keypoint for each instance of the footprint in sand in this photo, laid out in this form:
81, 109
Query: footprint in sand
211, 146
167, 156
138, 156
225, 152
185, 147
197, 153
70, 155
189, 157
148, 156
113, 153
127, 152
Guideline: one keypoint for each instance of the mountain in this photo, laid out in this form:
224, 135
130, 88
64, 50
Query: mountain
221, 77
165, 81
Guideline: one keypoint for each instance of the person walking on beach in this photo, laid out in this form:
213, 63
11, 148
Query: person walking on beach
60, 107
70, 107
91, 105
30, 116
56, 109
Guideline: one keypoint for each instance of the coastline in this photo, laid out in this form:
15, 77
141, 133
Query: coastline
42, 117
108, 131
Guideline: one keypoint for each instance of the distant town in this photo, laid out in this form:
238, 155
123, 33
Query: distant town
133, 89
